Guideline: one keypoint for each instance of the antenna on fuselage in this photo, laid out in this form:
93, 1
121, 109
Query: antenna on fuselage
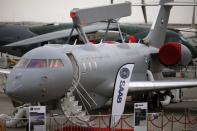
84, 17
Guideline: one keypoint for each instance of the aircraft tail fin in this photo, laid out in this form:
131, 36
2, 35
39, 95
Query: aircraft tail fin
157, 32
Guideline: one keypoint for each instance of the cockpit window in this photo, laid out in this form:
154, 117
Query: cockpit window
37, 63
22, 63
55, 63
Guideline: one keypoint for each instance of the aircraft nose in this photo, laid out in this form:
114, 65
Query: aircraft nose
14, 85
35, 85
10, 91
22, 86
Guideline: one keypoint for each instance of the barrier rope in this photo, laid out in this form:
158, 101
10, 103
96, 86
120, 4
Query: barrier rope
127, 124
179, 120
188, 119
194, 125
86, 122
176, 120
126, 116
162, 126
192, 122
117, 123
59, 124
91, 120
104, 122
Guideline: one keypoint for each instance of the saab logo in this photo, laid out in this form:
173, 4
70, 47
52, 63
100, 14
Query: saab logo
137, 105
124, 73
121, 89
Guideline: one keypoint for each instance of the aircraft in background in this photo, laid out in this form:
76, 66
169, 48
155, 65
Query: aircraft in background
136, 32
58, 75
131, 32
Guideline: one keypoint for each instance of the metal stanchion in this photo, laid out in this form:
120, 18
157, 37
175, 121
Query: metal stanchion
186, 121
121, 123
112, 128
147, 122
172, 118
162, 114
99, 120
50, 122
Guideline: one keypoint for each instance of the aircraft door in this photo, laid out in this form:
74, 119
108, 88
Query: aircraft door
76, 72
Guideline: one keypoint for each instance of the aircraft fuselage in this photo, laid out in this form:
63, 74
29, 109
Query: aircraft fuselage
94, 66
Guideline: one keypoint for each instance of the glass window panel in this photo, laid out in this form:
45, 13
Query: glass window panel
37, 63
55, 63
22, 63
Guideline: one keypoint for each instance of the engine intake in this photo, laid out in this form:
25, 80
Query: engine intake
173, 53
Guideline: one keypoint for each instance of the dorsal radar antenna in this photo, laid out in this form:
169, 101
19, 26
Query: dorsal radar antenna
84, 17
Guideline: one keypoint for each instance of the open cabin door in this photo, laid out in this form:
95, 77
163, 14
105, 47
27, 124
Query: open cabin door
76, 72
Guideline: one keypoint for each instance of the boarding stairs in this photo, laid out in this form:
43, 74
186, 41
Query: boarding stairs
75, 110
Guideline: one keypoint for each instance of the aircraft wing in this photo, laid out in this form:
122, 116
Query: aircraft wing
167, 4
181, 4
61, 34
160, 85
5, 71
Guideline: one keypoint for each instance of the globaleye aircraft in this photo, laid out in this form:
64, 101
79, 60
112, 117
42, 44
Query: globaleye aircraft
63, 75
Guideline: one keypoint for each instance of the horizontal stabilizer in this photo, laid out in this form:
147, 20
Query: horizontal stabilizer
160, 85
102, 13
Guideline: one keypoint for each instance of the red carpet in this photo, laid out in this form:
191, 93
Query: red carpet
77, 128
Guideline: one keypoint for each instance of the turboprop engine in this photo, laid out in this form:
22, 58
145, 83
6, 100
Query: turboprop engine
173, 53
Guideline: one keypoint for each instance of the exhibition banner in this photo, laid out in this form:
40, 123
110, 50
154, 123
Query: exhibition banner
123, 78
37, 118
140, 116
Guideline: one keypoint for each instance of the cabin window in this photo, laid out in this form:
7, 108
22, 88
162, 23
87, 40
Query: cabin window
37, 63
55, 63
22, 63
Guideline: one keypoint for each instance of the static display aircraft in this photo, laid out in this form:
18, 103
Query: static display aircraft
14, 33
69, 75
10, 34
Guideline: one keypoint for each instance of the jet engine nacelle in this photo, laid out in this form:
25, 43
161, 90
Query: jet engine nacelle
173, 53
